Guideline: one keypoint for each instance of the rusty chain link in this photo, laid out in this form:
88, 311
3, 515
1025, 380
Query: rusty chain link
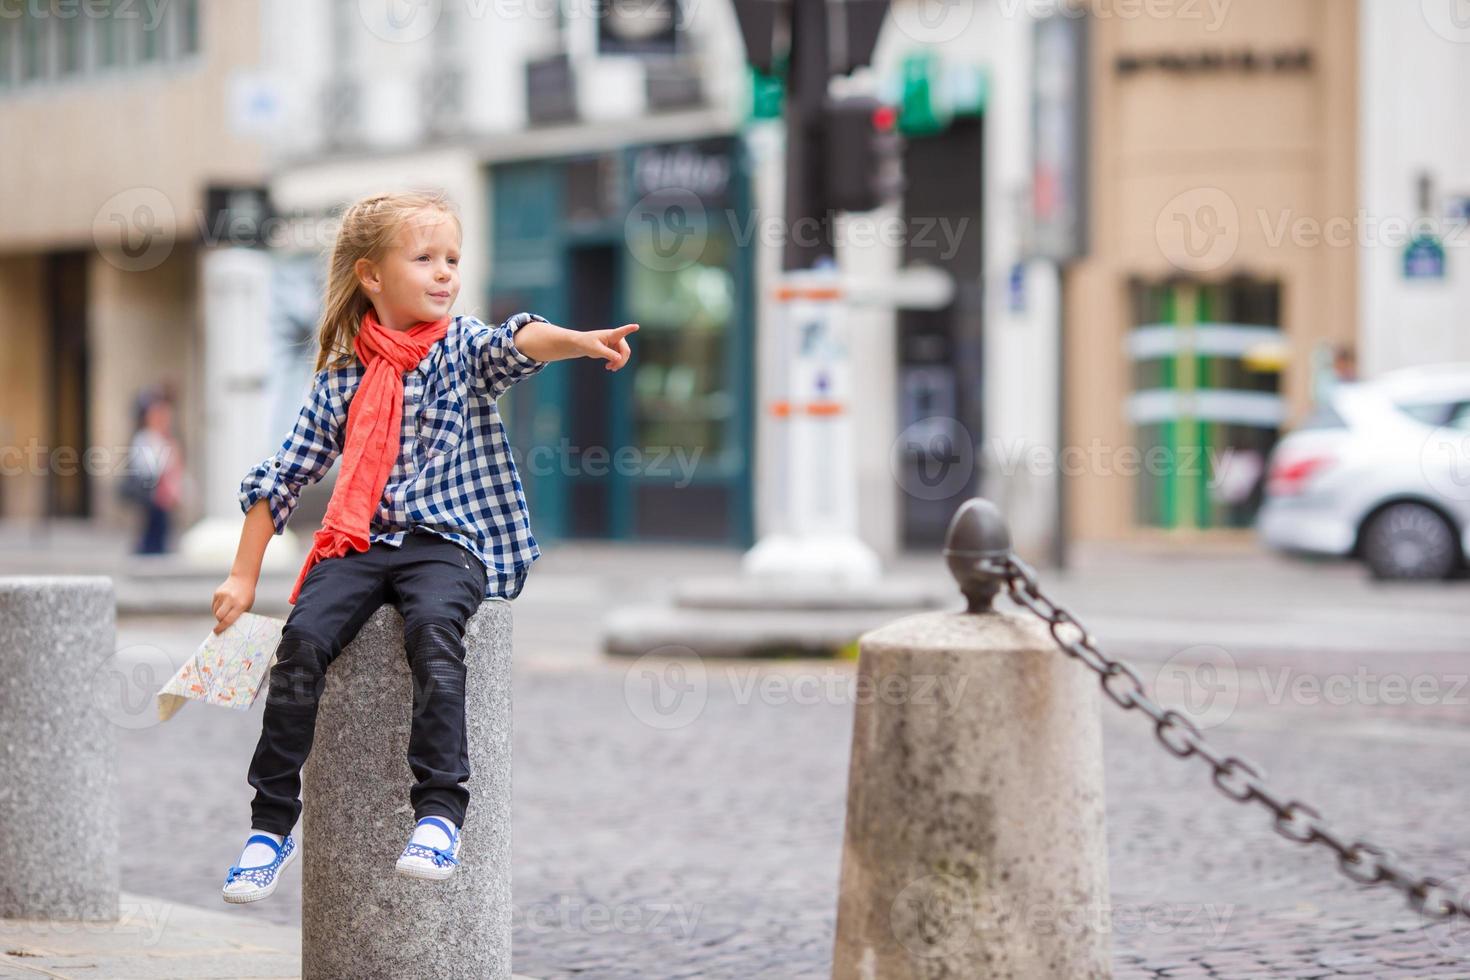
1234, 776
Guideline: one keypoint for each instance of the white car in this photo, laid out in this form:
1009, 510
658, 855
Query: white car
1381, 473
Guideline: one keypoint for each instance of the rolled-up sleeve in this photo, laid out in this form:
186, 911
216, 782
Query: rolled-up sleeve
304, 457
495, 362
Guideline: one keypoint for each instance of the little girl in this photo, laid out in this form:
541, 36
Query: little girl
427, 512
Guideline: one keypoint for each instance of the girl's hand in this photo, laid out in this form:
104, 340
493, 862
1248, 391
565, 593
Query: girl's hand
234, 597
611, 345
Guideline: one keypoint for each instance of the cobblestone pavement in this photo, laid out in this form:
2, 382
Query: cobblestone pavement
712, 848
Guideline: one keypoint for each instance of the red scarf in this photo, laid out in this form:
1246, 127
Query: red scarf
373, 439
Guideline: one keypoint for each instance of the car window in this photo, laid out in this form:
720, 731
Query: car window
1460, 418
1430, 413
1323, 417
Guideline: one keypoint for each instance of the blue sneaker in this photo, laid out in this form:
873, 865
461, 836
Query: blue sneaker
432, 863
253, 884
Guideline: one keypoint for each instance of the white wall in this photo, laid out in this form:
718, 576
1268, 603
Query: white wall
488, 41
1020, 397
1414, 81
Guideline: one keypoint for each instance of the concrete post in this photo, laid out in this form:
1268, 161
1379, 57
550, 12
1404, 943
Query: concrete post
58, 783
975, 842
359, 918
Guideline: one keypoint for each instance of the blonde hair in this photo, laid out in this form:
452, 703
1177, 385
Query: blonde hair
369, 228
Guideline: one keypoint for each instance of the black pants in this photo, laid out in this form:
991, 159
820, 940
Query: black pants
437, 586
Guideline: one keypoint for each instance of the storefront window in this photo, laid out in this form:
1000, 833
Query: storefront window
1206, 405
681, 382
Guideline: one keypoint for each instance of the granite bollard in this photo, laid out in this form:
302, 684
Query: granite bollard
359, 918
975, 841
58, 787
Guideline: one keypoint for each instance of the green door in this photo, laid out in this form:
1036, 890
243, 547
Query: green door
1206, 404
660, 450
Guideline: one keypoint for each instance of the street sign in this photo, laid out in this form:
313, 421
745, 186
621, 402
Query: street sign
1424, 258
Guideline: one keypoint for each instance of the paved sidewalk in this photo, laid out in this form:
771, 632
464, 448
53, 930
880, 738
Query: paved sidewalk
710, 849
154, 939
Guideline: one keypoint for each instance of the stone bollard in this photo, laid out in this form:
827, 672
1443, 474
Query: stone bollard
58, 785
359, 918
975, 842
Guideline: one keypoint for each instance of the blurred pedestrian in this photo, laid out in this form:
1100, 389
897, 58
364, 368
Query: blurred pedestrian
1332, 365
156, 470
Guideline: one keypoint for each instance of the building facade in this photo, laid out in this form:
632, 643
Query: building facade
1414, 181
119, 129
1222, 143
550, 127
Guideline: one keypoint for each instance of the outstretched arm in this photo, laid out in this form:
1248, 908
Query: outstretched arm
548, 342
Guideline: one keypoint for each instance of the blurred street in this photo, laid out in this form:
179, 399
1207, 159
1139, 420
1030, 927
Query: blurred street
712, 849
751, 322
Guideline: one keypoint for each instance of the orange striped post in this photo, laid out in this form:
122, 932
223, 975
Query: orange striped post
814, 536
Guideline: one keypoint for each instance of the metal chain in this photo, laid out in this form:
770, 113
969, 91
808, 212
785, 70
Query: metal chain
1234, 776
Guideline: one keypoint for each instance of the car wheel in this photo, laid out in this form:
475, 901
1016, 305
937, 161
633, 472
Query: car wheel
1410, 541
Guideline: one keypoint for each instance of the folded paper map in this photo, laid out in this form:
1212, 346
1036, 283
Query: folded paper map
228, 668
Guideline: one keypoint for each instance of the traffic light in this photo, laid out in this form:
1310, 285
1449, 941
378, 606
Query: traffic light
766, 27
862, 153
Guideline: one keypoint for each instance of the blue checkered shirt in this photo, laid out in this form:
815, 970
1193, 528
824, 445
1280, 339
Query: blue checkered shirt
454, 475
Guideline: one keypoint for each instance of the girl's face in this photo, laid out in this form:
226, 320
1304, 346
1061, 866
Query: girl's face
418, 279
